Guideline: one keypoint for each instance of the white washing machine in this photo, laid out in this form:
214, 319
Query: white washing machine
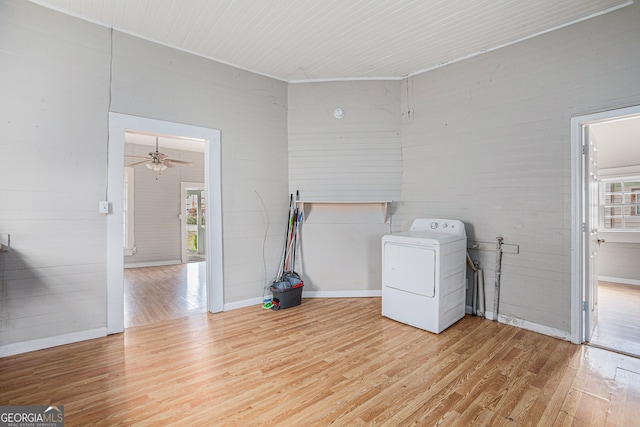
424, 274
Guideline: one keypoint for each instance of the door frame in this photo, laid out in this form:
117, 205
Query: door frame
578, 279
183, 220
118, 123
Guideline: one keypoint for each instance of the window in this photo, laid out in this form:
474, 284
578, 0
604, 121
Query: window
620, 204
128, 220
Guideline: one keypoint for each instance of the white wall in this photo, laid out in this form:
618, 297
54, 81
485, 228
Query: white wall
251, 111
353, 158
487, 140
617, 143
55, 79
356, 157
619, 261
157, 204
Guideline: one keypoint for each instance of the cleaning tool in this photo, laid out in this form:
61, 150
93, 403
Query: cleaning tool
287, 287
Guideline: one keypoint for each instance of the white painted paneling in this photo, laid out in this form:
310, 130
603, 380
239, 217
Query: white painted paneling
487, 141
339, 257
353, 158
55, 77
52, 175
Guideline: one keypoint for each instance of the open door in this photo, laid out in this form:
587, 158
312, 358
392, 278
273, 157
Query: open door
591, 240
193, 222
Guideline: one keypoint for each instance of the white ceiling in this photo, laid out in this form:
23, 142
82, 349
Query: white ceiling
310, 40
164, 141
618, 141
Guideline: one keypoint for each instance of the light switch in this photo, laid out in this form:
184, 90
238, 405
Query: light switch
103, 207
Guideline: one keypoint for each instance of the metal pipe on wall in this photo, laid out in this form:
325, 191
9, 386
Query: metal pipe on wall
496, 296
478, 298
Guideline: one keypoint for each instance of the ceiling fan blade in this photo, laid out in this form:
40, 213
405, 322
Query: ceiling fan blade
138, 163
178, 162
168, 163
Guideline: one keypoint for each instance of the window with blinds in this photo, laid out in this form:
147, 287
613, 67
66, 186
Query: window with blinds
620, 204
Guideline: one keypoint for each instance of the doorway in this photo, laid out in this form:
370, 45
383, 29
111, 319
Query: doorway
193, 222
606, 229
157, 286
118, 124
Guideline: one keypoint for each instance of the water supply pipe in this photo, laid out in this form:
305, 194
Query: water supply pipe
481, 299
496, 296
478, 298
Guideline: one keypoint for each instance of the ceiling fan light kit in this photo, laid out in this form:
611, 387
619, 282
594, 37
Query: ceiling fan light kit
158, 167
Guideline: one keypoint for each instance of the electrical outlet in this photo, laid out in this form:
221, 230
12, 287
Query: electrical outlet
103, 207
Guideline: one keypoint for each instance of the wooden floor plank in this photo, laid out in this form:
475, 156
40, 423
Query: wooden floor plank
625, 398
156, 294
325, 362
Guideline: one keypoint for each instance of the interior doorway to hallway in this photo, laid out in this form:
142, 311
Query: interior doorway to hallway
606, 230
118, 124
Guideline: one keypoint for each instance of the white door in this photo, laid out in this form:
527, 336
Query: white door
591, 240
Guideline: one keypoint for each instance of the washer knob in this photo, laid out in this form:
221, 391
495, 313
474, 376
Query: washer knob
434, 225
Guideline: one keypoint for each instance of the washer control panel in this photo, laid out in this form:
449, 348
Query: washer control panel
448, 226
436, 225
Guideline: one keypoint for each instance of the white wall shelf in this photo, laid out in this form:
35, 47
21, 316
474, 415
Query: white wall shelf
345, 210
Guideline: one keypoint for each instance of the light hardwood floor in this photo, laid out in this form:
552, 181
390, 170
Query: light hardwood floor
326, 362
618, 325
155, 294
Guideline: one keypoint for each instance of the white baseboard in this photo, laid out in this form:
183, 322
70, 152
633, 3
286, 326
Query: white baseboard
342, 294
152, 264
530, 326
42, 343
619, 280
308, 294
241, 304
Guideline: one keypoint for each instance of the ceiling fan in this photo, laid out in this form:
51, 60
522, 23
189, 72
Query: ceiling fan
157, 161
